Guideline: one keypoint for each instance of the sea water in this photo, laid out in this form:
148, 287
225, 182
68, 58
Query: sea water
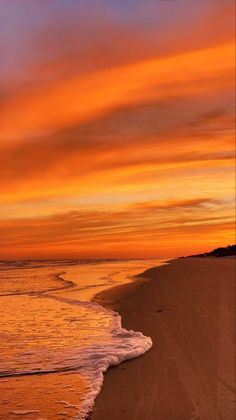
55, 343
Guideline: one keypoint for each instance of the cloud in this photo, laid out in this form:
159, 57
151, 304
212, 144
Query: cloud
45, 42
152, 223
128, 113
81, 99
175, 205
135, 139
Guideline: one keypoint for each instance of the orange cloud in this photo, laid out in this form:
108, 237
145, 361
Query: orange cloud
80, 232
125, 154
83, 98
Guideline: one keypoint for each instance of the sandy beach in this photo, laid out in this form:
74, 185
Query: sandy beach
187, 308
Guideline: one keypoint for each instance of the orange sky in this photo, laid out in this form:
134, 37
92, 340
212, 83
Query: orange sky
120, 142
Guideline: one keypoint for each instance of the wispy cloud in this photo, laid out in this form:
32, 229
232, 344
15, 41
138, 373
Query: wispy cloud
116, 125
83, 231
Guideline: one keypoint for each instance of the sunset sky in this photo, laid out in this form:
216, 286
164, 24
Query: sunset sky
117, 127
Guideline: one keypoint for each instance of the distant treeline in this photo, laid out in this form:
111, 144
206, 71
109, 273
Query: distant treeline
219, 252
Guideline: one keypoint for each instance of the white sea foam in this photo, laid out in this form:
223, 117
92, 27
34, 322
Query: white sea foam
124, 345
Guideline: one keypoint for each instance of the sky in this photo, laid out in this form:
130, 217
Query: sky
116, 127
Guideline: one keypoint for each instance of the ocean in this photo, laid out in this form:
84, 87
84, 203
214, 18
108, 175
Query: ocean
55, 343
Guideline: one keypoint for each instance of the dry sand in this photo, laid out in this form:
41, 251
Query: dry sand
188, 308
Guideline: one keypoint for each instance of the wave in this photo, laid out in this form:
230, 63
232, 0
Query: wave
93, 362
24, 264
63, 284
127, 345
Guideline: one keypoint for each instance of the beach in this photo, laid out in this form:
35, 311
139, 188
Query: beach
187, 307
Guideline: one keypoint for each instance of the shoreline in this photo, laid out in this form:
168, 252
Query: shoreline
187, 307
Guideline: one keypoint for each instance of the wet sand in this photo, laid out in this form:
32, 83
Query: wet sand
188, 308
